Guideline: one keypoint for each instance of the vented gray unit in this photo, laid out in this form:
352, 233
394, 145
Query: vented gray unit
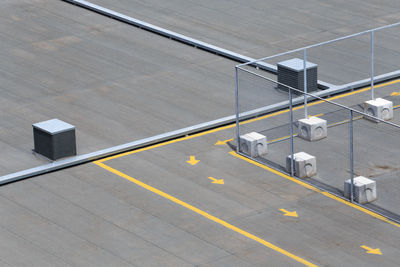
291, 73
54, 139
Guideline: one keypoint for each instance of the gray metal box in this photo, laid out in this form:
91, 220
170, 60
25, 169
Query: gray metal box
54, 139
291, 73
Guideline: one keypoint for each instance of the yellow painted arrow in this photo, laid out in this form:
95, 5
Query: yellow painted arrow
369, 250
289, 213
216, 181
193, 160
219, 143
395, 93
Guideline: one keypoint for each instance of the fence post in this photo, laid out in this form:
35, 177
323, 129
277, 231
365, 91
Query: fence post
237, 110
351, 158
291, 134
372, 65
305, 81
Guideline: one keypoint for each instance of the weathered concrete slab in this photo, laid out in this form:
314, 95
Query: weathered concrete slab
88, 216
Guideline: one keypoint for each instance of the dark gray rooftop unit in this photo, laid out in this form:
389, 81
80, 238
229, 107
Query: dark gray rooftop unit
54, 139
291, 73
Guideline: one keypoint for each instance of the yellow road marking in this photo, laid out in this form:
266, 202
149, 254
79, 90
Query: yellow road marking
329, 125
205, 214
319, 102
318, 115
280, 138
168, 142
289, 213
369, 250
311, 187
395, 94
345, 121
243, 122
396, 106
219, 143
275, 171
216, 181
193, 160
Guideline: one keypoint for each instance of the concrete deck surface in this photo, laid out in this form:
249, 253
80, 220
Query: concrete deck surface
264, 28
261, 28
375, 144
116, 84
88, 216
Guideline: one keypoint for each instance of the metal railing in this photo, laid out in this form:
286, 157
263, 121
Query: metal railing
348, 116
304, 50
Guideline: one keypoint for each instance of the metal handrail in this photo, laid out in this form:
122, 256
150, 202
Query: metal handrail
309, 95
320, 44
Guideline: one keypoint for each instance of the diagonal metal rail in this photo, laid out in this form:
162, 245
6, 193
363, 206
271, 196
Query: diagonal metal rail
170, 34
180, 37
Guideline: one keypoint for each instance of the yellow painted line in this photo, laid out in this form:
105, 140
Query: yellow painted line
345, 121
396, 106
219, 143
267, 116
204, 214
311, 187
275, 171
329, 125
280, 138
320, 102
318, 115
244, 122
168, 142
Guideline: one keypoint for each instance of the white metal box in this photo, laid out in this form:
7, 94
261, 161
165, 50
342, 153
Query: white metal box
364, 189
253, 144
380, 108
305, 165
313, 128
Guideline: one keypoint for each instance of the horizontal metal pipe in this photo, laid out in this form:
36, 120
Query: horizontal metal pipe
76, 160
73, 161
322, 43
313, 96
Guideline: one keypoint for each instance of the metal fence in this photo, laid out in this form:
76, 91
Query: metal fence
348, 62
357, 144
